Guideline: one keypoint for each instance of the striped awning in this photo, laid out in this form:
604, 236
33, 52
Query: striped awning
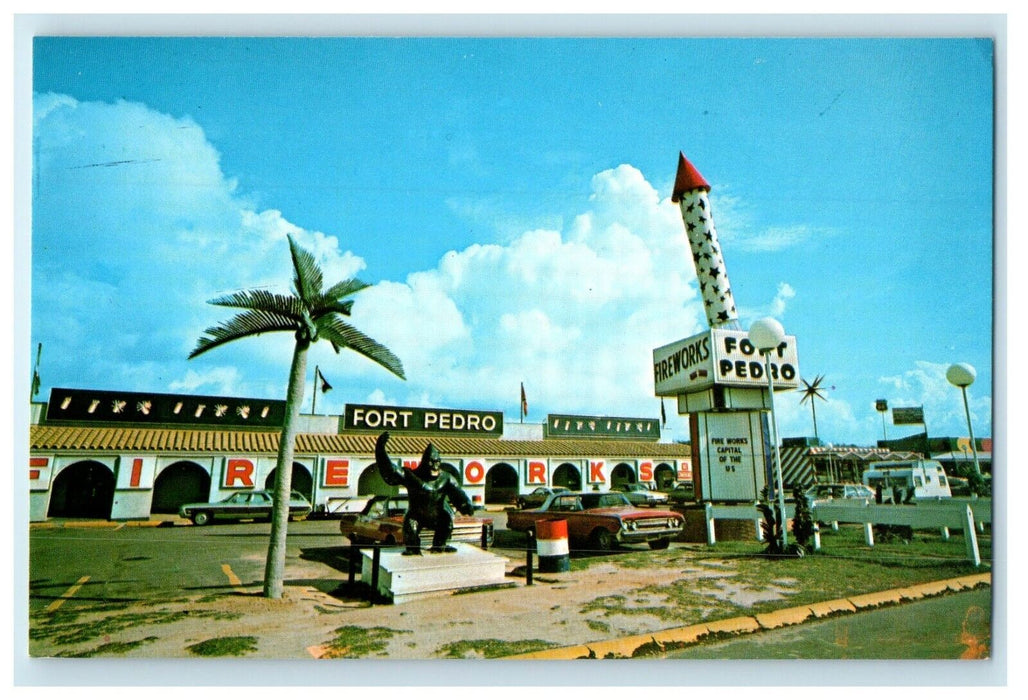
798, 463
120, 439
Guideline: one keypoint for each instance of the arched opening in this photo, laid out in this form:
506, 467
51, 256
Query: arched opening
370, 483
302, 481
179, 483
568, 476
622, 474
501, 484
664, 476
82, 490
447, 467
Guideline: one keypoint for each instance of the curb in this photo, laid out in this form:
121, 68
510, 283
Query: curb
627, 647
101, 524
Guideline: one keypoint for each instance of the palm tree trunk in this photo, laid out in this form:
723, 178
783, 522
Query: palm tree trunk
274, 568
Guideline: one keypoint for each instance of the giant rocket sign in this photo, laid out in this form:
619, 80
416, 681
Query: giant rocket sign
691, 195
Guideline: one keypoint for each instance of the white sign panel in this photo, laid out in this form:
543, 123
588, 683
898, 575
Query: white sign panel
721, 356
738, 363
684, 366
731, 456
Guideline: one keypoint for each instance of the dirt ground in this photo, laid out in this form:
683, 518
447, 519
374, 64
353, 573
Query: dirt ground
321, 616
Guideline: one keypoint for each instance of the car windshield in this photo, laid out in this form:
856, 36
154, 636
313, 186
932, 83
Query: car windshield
604, 500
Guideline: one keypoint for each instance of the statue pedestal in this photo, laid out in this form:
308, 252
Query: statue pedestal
404, 578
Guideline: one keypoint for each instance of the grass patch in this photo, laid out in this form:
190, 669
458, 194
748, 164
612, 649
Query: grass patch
352, 642
224, 646
490, 648
109, 649
598, 626
734, 578
69, 629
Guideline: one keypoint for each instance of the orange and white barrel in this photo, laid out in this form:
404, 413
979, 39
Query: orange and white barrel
551, 544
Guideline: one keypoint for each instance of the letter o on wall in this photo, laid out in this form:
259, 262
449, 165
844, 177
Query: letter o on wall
474, 472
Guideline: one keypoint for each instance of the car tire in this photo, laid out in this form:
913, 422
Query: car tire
201, 518
603, 540
662, 543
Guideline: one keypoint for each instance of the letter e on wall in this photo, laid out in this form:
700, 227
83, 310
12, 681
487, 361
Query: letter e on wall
337, 472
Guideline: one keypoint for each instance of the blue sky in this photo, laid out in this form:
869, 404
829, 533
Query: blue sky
510, 199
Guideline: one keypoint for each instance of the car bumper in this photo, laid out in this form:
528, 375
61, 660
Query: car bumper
648, 535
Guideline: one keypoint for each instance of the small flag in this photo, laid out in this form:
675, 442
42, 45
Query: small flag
325, 386
663, 416
524, 401
35, 371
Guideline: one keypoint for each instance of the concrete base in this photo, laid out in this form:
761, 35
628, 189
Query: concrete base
403, 578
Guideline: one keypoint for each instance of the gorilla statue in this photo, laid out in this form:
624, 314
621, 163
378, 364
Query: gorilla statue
430, 493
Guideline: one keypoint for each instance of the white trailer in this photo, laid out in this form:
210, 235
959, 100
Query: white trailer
903, 481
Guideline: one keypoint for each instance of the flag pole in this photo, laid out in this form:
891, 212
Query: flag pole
314, 392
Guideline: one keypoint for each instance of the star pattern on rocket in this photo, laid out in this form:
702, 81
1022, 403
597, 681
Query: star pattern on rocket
706, 254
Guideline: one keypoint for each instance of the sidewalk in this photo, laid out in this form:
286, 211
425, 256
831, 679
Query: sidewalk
628, 647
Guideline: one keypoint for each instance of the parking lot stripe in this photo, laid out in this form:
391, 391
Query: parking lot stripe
232, 578
67, 594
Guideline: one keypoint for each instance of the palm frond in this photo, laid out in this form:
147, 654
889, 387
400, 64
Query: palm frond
307, 277
343, 289
262, 300
342, 335
242, 325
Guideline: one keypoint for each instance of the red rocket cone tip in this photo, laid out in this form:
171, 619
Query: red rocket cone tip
688, 178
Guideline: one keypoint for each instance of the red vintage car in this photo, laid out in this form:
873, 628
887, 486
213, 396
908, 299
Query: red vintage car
381, 522
602, 520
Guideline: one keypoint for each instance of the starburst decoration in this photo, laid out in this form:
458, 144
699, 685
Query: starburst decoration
811, 391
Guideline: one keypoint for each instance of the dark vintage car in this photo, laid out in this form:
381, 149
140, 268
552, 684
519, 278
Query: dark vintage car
537, 496
244, 505
639, 495
381, 522
682, 492
602, 520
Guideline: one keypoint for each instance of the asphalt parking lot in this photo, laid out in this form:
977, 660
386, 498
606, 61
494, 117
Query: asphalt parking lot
170, 589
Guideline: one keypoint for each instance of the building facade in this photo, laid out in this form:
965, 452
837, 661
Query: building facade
125, 456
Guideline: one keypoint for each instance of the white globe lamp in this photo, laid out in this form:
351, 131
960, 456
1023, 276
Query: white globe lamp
767, 334
962, 375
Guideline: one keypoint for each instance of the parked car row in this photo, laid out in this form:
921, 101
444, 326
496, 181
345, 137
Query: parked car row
381, 522
601, 520
823, 493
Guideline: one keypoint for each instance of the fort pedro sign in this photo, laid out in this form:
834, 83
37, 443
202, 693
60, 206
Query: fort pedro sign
405, 419
725, 357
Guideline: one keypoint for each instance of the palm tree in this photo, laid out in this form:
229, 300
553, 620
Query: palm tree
811, 392
311, 314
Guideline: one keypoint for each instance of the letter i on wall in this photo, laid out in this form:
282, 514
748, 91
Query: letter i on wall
690, 194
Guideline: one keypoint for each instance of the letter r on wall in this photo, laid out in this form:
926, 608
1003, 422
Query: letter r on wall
239, 472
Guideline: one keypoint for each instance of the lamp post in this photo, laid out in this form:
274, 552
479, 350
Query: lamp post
767, 334
963, 375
